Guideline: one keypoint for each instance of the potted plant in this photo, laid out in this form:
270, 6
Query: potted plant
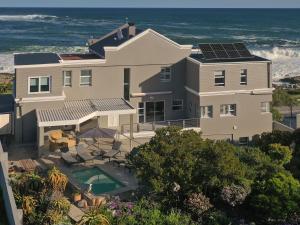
77, 196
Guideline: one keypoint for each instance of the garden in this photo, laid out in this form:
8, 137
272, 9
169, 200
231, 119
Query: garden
186, 180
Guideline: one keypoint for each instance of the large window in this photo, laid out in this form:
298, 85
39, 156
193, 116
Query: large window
206, 111
86, 78
127, 84
265, 107
39, 84
165, 74
228, 110
67, 78
243, 78
219, 78
177, 104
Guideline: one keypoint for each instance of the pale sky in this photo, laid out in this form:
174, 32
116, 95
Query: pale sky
154, 3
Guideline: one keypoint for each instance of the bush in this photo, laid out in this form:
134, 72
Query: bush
197, 204
275, 199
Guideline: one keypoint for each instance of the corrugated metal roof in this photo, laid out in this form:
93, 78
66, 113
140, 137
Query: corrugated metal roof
77, 109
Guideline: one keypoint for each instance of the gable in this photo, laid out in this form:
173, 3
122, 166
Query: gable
149, 47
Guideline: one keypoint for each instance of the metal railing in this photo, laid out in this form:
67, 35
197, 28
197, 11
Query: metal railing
140, 127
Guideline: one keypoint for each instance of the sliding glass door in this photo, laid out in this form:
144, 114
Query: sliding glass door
151, 111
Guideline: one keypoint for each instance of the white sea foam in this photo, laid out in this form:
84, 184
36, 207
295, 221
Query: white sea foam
286, 61
25, 17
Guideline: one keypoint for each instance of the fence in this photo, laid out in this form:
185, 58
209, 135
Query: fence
12, 213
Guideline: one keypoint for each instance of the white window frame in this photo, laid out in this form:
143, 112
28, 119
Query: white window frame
180, 105
139, 111
227, 111
164, 74
219, 74
90, 76
64, 78
206, 112
242, 75
39, 85
265, 107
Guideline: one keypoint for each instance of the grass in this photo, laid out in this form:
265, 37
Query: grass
6, 88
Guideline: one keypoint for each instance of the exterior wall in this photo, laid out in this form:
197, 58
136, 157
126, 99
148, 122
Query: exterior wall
256, 79
192, 75
248, 120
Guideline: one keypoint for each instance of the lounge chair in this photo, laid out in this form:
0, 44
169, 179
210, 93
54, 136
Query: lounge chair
113, 152
84, 155
69, 158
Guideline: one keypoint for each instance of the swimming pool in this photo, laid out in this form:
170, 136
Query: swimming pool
101, 182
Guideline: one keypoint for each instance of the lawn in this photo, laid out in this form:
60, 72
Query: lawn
6, 88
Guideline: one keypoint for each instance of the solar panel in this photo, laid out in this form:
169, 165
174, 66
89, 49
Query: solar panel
224, 51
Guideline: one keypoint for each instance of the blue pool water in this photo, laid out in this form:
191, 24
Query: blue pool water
101, 182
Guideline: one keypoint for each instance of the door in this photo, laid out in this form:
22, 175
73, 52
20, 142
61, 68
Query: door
113, 120
155, 111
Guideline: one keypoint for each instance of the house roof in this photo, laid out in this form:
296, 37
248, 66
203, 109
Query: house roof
36, 58
199, 57
113, 39
78, 111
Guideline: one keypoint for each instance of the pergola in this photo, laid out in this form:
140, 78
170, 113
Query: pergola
78, 111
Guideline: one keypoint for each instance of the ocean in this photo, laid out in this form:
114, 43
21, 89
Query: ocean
270, 33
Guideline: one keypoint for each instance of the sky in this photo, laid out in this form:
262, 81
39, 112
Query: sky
154, 3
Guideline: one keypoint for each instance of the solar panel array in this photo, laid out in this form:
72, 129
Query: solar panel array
224, 51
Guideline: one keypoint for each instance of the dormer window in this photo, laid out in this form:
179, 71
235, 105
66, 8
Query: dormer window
39, 84
165, 74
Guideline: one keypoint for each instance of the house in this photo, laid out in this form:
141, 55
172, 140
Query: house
133, 76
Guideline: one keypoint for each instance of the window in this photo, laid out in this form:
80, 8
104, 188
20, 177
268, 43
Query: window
141, 112
228, 110
219, 78
243, 80
67, 76
243, 140
206, 111
177, 104
165, 74
265, 107
39, 84
126, 84
86, 78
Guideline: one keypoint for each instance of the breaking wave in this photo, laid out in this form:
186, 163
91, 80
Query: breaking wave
26, 17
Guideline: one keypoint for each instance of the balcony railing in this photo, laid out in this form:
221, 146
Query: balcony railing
141, 127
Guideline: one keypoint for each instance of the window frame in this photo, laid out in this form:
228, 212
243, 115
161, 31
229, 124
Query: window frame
180, 105
64, 78
219, 76
39, 84
244, 143
91, 78
228, 109
164, 73
243, 75
267, 107
206, 111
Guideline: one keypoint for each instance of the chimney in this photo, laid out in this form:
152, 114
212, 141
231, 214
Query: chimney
131, 29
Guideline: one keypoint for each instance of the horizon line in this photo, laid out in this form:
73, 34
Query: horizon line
133, 7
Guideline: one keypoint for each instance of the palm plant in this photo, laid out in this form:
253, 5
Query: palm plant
94, 217
28, 204
57, 180
61, 205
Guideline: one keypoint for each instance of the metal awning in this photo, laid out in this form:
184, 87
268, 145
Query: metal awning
79, 111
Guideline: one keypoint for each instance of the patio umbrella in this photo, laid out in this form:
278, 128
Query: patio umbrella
98, 133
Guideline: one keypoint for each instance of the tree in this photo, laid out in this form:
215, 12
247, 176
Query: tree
280, 154
275, 199
176, 163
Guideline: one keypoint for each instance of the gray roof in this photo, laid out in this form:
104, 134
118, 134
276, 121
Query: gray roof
78, 109
112, 39
36, 58
199, 57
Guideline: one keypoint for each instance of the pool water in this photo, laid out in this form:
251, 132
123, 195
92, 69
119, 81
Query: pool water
101, 182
